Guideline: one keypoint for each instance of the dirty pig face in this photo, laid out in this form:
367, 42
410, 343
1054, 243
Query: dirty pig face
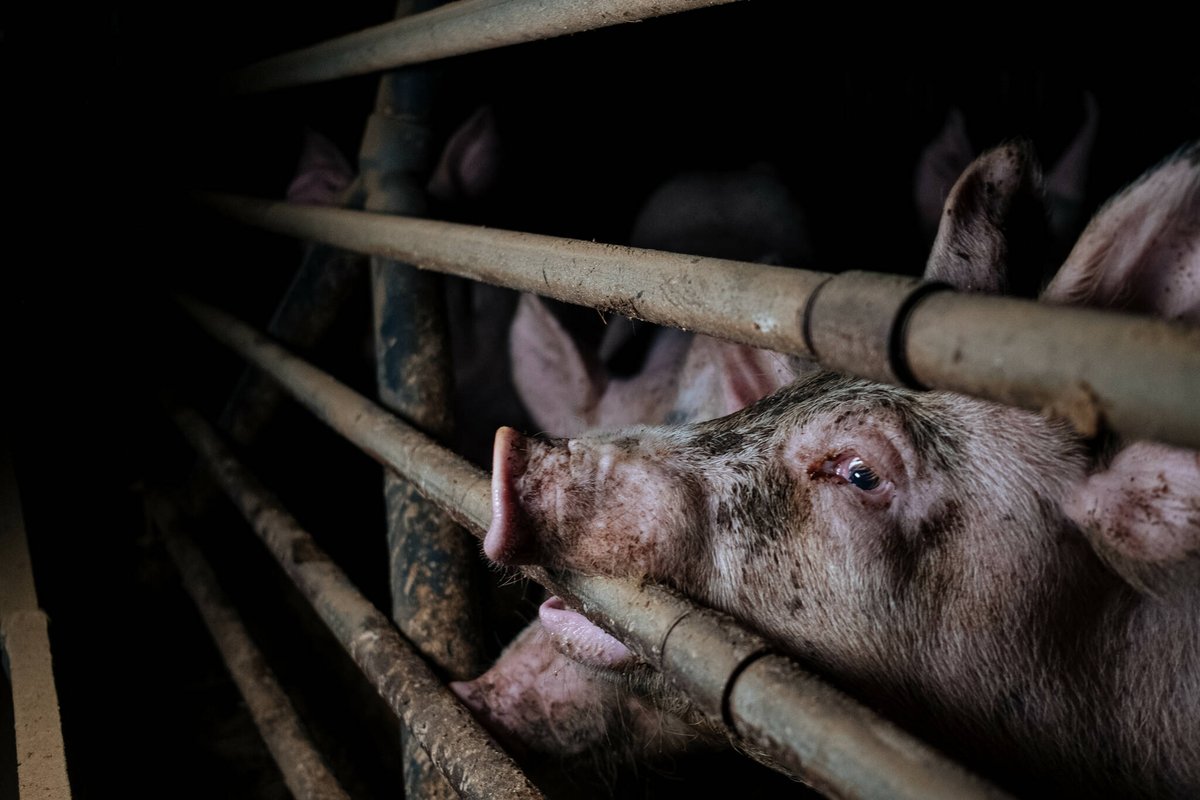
835, 504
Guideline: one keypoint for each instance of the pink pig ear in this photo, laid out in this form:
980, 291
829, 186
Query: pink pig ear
749, 374
558, 386
470, 162
1142, 514
938, 167
322, 174
1141, 252
993, 208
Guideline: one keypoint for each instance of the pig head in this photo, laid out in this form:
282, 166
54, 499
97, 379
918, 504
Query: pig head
979, 572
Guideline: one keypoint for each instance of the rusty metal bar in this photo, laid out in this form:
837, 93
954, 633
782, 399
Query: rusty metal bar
303, 769
455, 29
458, 747
1136, 376
432, 564
816, 733
25, 647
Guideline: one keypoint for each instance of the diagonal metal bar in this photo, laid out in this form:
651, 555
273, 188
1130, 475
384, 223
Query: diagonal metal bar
456, 745
303, 769
455, 29
41, 761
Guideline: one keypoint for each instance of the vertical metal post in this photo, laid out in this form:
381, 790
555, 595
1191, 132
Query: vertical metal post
433, 561
25, 652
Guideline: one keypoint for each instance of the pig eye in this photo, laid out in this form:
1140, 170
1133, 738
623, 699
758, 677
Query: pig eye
862, 476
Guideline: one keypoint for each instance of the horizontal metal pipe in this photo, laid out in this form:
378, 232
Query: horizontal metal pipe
1134, 375
458, 747
303, 769
750, 303
822, 736
1097, 369
41, 760
455, 29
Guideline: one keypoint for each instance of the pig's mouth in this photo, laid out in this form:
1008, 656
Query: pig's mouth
579, 639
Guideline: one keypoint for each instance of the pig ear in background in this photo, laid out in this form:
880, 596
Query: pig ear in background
470, 161
556, 383
322, 175
1066, 183
992, 217
749, 374
1141, 252
938, 167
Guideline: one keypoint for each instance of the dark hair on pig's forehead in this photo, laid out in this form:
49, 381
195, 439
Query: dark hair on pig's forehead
934, 432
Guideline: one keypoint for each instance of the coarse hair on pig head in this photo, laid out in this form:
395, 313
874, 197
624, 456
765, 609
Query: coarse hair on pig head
948, 559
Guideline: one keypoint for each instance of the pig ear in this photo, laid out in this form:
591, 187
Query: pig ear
992, 215
938, 167
749, 374
1141, 252
470, 162
559, 387
1066, 183
1142, 514
322, 174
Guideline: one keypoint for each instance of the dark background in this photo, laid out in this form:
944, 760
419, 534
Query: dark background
109, 120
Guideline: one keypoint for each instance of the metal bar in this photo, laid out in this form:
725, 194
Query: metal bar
433, 569
433, 560
25, 646
458, 747
1134, 375
748, 303
303, 769
821, 735
455, 29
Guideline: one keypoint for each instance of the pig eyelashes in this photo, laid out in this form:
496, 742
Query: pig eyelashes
858, 473
854, 471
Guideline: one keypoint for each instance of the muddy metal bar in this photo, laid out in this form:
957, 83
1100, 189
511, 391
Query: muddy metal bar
1134, 375
303, 769
433, 570
458, 747
25, 647
455, 29
805, 727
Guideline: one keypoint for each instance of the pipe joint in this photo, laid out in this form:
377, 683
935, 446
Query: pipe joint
856, 321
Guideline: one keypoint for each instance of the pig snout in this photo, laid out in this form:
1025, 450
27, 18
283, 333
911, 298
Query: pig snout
602, 508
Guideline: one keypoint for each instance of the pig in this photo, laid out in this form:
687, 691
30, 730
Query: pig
1021, 597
